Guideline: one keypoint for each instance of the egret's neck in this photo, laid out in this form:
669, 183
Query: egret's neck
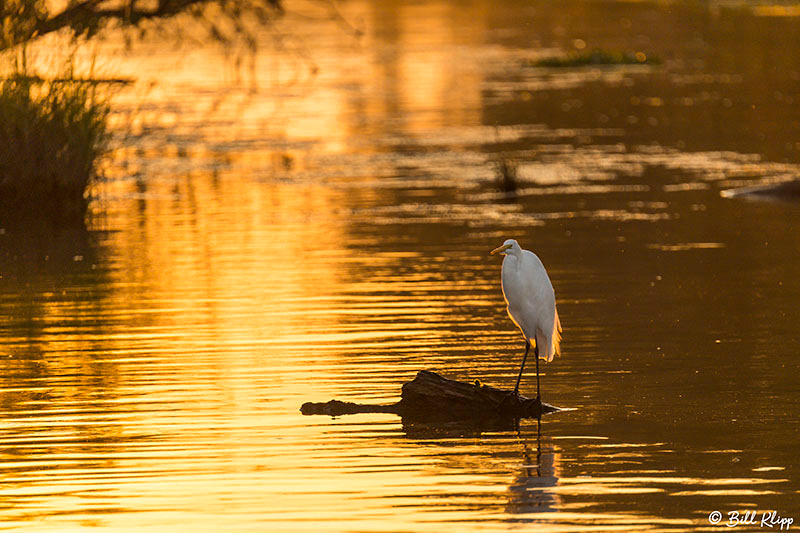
510, 260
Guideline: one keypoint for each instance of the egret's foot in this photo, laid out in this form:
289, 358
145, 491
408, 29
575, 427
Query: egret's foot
516, 400
535, 405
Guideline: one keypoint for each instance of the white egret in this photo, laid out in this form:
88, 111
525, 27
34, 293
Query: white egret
531, 304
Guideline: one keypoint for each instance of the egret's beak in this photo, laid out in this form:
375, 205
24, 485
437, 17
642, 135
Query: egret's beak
500, 249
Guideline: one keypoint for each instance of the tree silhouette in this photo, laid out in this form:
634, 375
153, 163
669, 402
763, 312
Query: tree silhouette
25, 20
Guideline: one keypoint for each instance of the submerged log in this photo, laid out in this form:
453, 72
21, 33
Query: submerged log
431, 396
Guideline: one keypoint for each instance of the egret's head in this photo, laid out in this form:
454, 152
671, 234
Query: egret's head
508, 247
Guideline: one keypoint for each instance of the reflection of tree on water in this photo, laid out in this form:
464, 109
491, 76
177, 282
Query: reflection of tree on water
60, 393
529, 492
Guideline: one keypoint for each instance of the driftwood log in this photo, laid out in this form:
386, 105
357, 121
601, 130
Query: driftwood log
431, 396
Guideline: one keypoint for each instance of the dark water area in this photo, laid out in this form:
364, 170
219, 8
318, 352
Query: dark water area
317, 224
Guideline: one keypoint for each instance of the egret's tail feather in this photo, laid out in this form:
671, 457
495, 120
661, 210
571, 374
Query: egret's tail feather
554, 347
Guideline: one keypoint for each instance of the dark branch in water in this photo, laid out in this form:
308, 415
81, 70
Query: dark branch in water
507, 174
33, 79
338, 408
431, 396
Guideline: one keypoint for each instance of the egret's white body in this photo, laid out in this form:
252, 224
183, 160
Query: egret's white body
531, 301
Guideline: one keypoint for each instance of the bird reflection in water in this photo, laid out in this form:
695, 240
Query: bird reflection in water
530, 490
529, 493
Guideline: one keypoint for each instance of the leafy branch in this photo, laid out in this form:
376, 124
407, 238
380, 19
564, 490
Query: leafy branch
25, 20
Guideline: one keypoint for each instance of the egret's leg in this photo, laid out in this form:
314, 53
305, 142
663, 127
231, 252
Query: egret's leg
536, 354
527, 349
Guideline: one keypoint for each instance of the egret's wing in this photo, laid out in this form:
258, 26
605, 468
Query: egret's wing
540, 307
